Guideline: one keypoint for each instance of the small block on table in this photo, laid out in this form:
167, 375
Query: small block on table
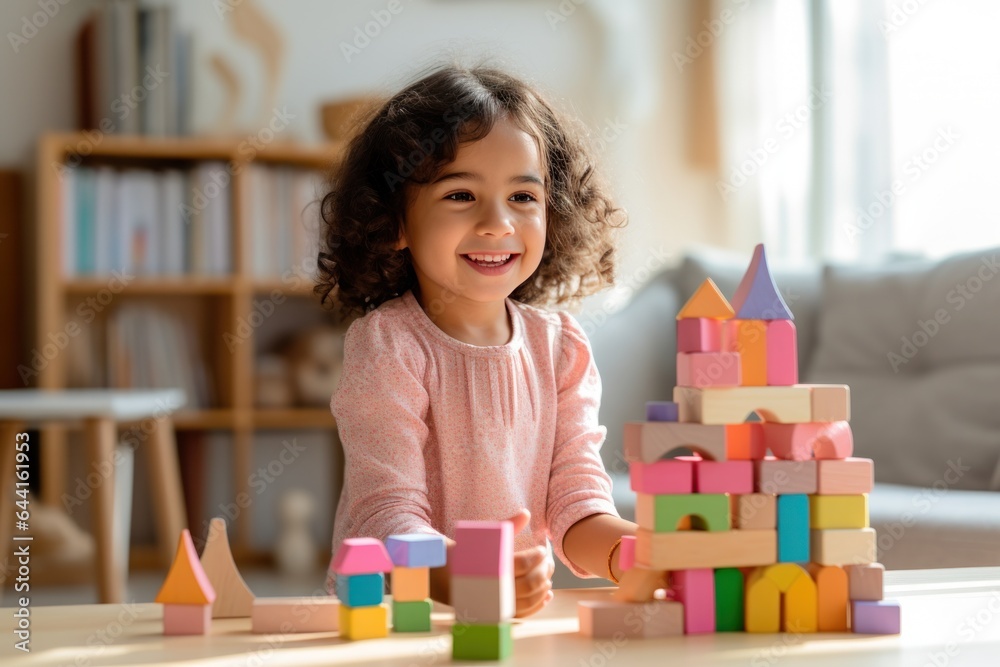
606, 618
875, 618
661, 411
364, 622
412, 616
361, 555
481, 642
291, 615
865, 582
416, 550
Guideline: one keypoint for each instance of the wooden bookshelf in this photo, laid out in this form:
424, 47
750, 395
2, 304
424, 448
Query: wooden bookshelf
228, 297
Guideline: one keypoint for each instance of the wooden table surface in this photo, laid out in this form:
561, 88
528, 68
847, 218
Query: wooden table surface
950, 617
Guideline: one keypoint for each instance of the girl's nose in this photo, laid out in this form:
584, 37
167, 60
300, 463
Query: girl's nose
497, 219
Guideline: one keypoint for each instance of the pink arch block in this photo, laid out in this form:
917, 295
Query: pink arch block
816, 440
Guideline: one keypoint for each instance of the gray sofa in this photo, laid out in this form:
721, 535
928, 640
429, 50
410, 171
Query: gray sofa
925, 406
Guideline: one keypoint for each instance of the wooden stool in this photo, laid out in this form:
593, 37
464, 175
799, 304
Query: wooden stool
101, 412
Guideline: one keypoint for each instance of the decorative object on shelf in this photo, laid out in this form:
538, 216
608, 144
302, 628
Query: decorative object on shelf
272, 388
296, 552
315, 361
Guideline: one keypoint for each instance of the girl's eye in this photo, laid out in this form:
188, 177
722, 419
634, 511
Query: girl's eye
530, 197
459, 194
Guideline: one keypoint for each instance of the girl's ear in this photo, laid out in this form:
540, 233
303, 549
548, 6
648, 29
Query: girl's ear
401, 241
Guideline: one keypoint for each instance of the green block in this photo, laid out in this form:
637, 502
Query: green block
481, 642
411, 616
709, 511
728, 600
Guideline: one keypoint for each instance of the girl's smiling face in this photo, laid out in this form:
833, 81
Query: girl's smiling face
490, 200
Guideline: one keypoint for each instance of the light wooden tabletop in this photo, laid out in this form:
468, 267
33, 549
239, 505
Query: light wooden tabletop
950, 617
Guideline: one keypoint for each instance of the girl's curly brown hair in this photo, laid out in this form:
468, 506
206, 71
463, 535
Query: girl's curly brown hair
409, 139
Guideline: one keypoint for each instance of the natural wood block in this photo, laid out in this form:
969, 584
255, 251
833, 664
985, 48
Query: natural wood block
664, 476
706, 302
648, 442
782, 354
839, 511
728, 600
773, 475
699, 334
663, 513
865, 581
294, 614
695, 589
483, 600
723, 477
814, 440
410, 584
708, 369
851, 475
830, 402
489, 641
754, 511
732, 405
793, 528
831, 597
606, 619
781, 597
364, 622
639, 583
875, 618
847, 546
361, 555
233, 598
187, 619
692, 549
748, 338
483, 549
416, 550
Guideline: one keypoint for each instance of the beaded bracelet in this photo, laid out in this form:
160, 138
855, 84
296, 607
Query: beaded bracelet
611, 556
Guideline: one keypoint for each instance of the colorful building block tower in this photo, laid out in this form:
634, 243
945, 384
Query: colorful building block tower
360, 565
186, 594
482, 590
741, 539
412, 557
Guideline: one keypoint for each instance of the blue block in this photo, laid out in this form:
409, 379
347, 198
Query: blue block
416, 550
793, 528
361, 590
661, 411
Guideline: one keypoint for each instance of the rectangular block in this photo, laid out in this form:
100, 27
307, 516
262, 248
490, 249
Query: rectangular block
875, 618
732, 405
745, 441
481, 642
830, 402
695, 589
605, 619
661, 411
410, 584
411, 616
845, 476
793, 528
693, 549
626, 552
361, 590
847, 546
663, 513
664, 476
838, 511
780, 477
364, 622
749, 339
417, 550
294, 614
699, 334
723, 477
754, 511
483, 548
728, 600
483, 600
831, 597
864, 582
782, 354
708, 369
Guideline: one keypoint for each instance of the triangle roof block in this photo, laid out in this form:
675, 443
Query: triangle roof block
186, 582
233, 597
707, 301
361, 555
757, 297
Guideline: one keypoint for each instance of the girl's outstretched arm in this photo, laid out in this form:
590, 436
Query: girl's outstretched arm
589, 541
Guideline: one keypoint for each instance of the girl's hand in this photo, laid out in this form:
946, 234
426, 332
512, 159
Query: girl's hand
533, 569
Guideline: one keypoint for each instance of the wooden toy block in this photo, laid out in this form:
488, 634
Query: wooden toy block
845, 477
664, 476
754, 511
233, 598
691, 549
757, 296
364, 622
626, 552
361, 555
781, 597
864, 582
814, 440
782, 354
186, 582
793, 528
831, 597
483, 599
708, 369
723, 477
483, 549
606, 619
748, 338
663, 513
293, 615
875, 618
410, 584
728, 600
638, 584
779, 477
187, 619
732, 405
830, 402
695, 589
411, 615
841, 511
417, 550
661, 411
706, 302
648, 442
844, 546
745, 441
361, 590
699, 335
481, 642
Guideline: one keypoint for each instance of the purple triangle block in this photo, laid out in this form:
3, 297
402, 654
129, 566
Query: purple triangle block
757, 297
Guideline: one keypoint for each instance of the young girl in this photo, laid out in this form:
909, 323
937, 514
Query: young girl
463, 204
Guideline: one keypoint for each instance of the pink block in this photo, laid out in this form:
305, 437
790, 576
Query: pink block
483, 549
782, 354
880, 617
708, 369
696, 590
699, 334
187, 619
723, 477
626, 552
664, 476
361, 555
801, 442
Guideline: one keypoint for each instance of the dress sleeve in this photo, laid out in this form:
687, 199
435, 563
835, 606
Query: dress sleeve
578, 484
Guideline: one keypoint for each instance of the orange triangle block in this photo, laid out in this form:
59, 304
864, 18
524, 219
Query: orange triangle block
186, 582
707, 301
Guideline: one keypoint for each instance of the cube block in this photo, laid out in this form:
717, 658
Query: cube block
708, 369
754, 511
411, 616
483, 600
410, 584
699, 334
361, 590
187, 619
481, 642
483, 548
865, 581
364, 622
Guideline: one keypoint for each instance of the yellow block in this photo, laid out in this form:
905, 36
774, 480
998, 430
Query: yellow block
364, 622
838, 511
762, 602
411, 584
780, 597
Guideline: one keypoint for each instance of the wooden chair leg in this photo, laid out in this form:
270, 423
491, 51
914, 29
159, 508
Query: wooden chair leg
101, 435
8, 432
168, 495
